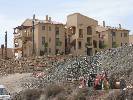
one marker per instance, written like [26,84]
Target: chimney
[49,19]
[103,23]
[120,26]
[46,17]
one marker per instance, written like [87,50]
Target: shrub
[53,90]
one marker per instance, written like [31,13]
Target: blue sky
[14,12]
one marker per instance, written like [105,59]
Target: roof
[103,29]
[51,22]
[37,21]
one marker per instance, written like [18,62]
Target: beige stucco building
[82,36]
[49,38]
[112,37]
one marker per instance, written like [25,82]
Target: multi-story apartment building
[112,37]
[82,37]
[49,38]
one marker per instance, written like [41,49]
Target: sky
[113,12]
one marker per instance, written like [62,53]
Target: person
[82,82]
[112,82]
[98,83]
[122,87]
[105,84]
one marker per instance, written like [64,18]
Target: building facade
[80,36]
[112,37]
[49,38]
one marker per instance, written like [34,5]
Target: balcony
[80,35]
[71,30]
[18,35]
[88,44]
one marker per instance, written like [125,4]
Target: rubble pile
[26,65]
[115,62]
[70,69]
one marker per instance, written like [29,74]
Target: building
[131,39]
[9,53]
[49,38]
[82,37]
[112,37]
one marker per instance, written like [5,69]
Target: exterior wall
[130,39]
[81,42]
[50,38]
[120,39]
[81,22]
[9,53]
[25,39]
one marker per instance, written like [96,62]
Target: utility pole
[33,30]
[6,45]
[2,50]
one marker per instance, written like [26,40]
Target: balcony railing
[81,36]
[88,44]
[71,30]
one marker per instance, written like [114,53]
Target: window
[30,29]
[57,28]
[41,53]
[79,45]
[58,42]
[113,34]
[121,44]
[43,27]
[49,39]
[95,44]
[121,34]
[57,39]
[89,41]
[114,45]
[89,30]
[80,33]
[57,32]
[72,30]
[43,40]
[49,50]
[125,34]
[57,51]
[49,28]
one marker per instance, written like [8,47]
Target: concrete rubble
[117,62]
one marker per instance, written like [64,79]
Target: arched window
[89,30]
